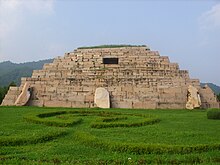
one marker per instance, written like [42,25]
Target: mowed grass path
[25,142]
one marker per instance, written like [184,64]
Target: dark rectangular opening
[110,60]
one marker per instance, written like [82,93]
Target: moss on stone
[110,46]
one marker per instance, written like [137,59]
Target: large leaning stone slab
[24,96]
[102,98]
[193,98]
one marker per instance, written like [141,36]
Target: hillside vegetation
[31,135]
[13,72]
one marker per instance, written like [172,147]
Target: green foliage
[213,114]
[181,137]
[218,97]
[12,84]
[141,148]
[108,122]
[4,90]
[33,139]
[110,119]
[13,72]
[42,119]
[110,46]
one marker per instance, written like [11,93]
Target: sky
[188,31]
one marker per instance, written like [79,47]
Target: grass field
[31,135]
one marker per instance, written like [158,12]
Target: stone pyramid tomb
[122,76]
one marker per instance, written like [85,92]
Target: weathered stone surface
[57,104]
[208,97]
[141,79]
[101,98]
[11,96]
[24,96]
[193,98]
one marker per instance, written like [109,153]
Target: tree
[12,84]
[1,94]
[218,97]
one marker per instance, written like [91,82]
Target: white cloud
[39,6]
[210,20]
[13,13]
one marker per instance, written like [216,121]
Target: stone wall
[141,79]
[11,96]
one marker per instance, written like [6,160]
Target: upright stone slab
[193,98]
[101,98]
[24,96]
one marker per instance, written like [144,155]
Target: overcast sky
[188,31]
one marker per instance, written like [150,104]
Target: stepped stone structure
[133,77]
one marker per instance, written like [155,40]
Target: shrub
[213,114]
[124,124]
[42,119]
[218,97]
[141,148]
[34,139]
[108,119]
[108,122]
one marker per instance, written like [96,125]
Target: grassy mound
[110,46]
[69,118]
[142,148]
[23,139]
[135,121]
[47,119]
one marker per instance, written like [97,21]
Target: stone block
[38,103]
[121,104]
[145,105]
[79,104]
[56,103]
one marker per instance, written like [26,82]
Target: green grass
[110,46]
[172,136]
[213,114]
